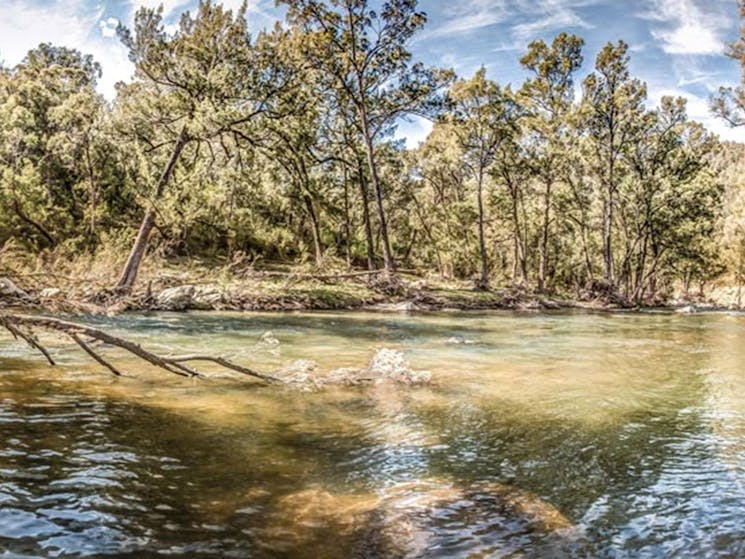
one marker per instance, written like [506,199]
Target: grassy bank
[57,283]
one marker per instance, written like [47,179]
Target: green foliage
[55,156]
[281,147]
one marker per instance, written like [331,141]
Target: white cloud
[173,8]
[70,23]
[108,26]
[90,28]
[536,17]
[467,16]
[170,7]
[550,15]
[25,25]
[684,28]
[414,130]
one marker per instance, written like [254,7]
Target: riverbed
[567,434]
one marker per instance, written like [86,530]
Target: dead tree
[24,327]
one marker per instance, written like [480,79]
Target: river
[548,434]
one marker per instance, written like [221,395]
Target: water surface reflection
[543,435]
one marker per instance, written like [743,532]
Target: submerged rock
[269,339]
[540,514]
[301,373]
[386,365]
[317,507]
[400,520]
[391,364]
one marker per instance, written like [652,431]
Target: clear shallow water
[564,435]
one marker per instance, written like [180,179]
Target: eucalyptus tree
[548,98]
[203,82]
[580,195]
[47,102]
[293,144]
[728,163]
[511,170]
[729,103]
[440,202]
[361,55]
[615,103]
[646,194]
[483,116]
[83,140]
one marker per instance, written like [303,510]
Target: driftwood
[298,276]
[23,327]
[322,277]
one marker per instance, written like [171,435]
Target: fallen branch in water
[23,326]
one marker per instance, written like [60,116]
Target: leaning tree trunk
[132,267]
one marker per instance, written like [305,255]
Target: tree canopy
[282,146]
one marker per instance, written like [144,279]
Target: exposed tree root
[23,327]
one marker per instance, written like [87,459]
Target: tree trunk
[484,279]
[583,226]
[315,228]
[740,262]
[388,262]
[543,263]
[35,224]
[93,192]
[428,232]
[132,267]
[347,219]
[520,261]
[640,274]
[371,265]
[608,227]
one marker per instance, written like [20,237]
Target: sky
[676,46]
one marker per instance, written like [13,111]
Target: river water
[541,435]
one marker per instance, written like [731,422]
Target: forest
[522,336]
[281,147]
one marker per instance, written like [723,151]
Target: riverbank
[274,293]
[205,286]
[304,294]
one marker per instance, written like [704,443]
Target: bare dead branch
[95,355]
[30,340]
[224,362]
[14,323]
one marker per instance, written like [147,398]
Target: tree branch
[175,365]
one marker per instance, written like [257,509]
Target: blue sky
[676,45]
